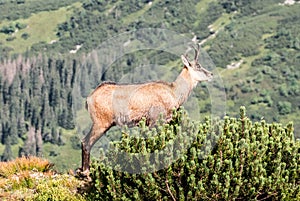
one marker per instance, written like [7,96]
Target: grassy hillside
[40,27]
[265,72]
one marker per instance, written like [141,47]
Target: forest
[47,70]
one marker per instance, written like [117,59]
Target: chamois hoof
[86,180]
[83,175]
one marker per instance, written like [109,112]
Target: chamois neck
[183,86]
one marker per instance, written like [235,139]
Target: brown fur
[126,104]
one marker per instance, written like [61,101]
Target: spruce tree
[7,153]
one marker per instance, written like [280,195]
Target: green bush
[250,161]
[25,36]
[21,25]
[63,187]
[284,107]
[8,29]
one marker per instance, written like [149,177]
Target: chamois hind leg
[87,143]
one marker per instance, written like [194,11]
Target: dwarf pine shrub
[229,159]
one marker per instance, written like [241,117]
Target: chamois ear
[185,61]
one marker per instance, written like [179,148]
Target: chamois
[113,104]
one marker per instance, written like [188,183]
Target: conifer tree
[7,153]
[13,131]
[39,143]
[21,126]
[54,135]
[53,93]
[84,82]
[5,93]
[30,145]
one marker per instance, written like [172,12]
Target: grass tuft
[7,169]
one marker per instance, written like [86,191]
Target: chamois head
[197,72]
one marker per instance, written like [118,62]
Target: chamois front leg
[85,156]
[154,114]
[87,143]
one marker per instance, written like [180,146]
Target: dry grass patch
[33,178]
[22,164]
